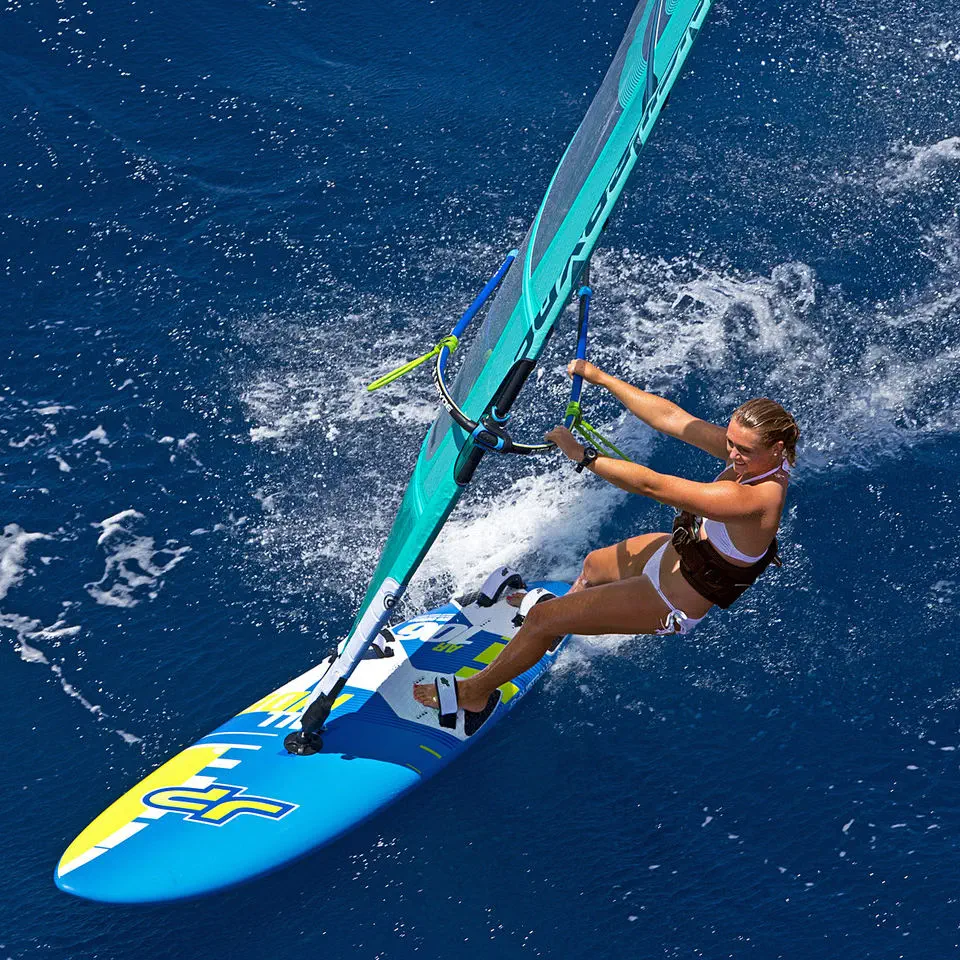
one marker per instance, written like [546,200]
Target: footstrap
[447,699]
[533,597]
[496,583]
[379,643]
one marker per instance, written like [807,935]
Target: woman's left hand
[566,442]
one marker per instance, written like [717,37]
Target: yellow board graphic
[130,806]
[508,690]
[216,804]
[288,701]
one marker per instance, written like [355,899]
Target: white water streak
[133,563]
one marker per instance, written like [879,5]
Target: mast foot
[303,743]
[307,740]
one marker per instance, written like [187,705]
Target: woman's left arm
[721,500]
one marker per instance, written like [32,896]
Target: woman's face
[748,454]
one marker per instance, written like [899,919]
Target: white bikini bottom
[676,621]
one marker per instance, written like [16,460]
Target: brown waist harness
[707,570]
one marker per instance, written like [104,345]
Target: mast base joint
[303,743]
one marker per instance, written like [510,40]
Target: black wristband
[589,455]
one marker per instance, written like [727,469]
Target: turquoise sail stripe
[580,198]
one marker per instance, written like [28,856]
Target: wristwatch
[589,455]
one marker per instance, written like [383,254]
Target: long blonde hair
[772,423]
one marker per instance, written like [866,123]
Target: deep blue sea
[221,219]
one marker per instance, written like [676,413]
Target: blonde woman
[724,537]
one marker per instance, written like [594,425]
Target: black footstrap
[473,720]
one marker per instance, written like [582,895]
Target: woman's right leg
[611,564]
[620,561]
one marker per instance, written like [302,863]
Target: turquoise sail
[536,288]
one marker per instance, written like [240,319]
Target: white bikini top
[717,532]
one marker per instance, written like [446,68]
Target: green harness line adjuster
[591,434]
[451,341]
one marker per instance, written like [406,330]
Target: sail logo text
[651,99]
[217,804]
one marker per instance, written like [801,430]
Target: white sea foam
[24,627]
[32,439]
[13,567]
[98,434]
[184,445]
[945,50]
[27,629]
[13,551]
[116,524]
[267,501]
[865,380]
[135,566]
[52,409]
[914,164]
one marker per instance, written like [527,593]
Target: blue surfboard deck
[236,805]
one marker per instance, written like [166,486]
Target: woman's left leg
[617,562]
[626,606]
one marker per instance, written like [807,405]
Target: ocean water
[221,220]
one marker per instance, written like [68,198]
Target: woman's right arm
[659,413]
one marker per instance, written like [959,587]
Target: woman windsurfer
[658,582]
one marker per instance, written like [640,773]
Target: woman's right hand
[585,369]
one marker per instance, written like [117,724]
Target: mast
[531,292]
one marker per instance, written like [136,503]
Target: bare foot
[426,693]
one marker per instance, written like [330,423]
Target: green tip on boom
[450,342]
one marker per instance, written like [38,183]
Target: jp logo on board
[216,804]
